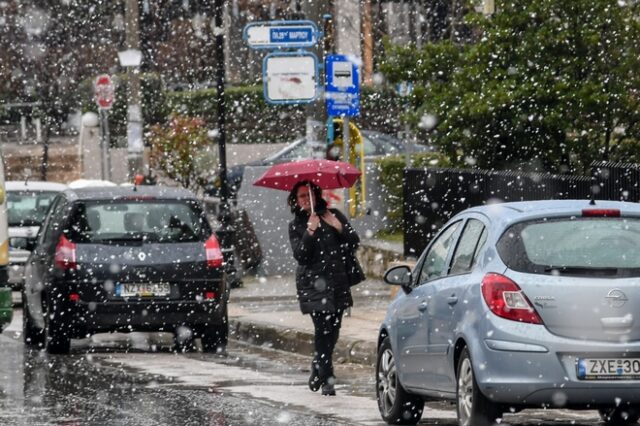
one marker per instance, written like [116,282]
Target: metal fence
[432,196]
[616,181]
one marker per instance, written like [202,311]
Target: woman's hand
[314,222]
[332,220]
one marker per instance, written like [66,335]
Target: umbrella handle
[311,200]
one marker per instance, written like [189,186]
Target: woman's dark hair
[292,199]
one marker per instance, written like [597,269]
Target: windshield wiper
[582,270]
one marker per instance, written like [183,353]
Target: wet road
[136,380]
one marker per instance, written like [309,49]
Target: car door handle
[423,306]
[452,300]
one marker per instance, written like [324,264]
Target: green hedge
[249,118]
[391,174]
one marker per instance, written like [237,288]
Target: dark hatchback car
[125,259]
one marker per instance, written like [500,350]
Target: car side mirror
[398,275]
[22,243]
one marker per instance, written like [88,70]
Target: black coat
[321,278]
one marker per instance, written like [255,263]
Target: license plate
[608,368]
[142,289]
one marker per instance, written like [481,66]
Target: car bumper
[90,317]
[541,369]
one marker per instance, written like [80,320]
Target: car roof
[34,185]
[116,192]
[505,214]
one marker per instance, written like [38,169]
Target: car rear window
[28,208]
[114,222]
[574,246]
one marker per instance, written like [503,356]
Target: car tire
[619,416]
[30,333]
[396,405]
[183,342]
[473,408]
[214,338]
[56,340]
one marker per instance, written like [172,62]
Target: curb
[301,342]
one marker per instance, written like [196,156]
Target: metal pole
[107,138]
[226,231]
[221,102]
[102,145]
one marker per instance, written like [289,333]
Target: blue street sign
[342,86]
[281,34]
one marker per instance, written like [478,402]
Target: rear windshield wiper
[582,270]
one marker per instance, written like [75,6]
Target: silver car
[27,205]
[518,305]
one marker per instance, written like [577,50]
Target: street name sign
[290,77]
[104,91]
[281,34]
[342,89]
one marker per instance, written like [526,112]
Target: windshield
[28,208]
[114,222]
[606,246]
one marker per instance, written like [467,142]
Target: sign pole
[107,144]
[103,156]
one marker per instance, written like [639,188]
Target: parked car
[27,206]
[125,259]
[376,144]
[518,305]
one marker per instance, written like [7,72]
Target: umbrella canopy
[326,174]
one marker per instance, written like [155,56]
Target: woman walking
[320,239]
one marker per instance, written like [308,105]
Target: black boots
[328,389]
[315,382]
[314,379]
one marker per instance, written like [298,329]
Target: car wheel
[184,340]
[473,408]
[30,333]
[396,405]
[56,341]
[618,416]
[215,337]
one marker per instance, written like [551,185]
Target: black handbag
[354,270]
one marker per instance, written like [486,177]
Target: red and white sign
[104,91]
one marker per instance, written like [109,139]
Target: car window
[28,208]
[607,246]
[381,144]
[298,152]
[162,221]
[55,220]
[436,258]
[468,246]
[370,147]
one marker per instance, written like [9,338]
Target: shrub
[391,177]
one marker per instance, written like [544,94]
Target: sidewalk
[265,312]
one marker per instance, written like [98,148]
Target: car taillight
[600,213]
[506,299]
[65,257]
[213,252]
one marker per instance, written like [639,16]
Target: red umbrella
[326,174]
